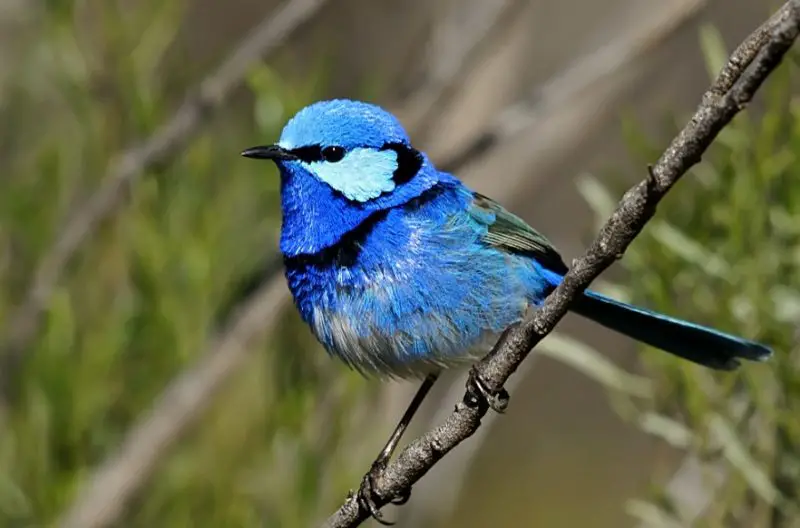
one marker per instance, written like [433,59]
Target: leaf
[738,455]
[714,50]
[597,196]
[594,365]
[13,501]
[689,250]
[673,432]
[650,515]
[787,303]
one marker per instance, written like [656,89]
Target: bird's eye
[332,154]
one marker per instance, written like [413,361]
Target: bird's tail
[702,345]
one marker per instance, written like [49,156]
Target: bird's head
[340,162]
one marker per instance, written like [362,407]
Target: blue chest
[413,288]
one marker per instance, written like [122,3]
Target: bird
[400,270]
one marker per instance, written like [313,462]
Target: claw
[479,393]
[401,499]
[366,500]
[366,493]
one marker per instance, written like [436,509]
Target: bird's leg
[477,391]
[366,492]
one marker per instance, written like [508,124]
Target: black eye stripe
[312,153]
[409,160]
[308,154]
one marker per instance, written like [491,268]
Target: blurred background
[147,380]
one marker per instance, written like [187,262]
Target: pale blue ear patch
[363,173]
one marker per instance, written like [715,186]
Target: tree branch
[746,70]
[168,141]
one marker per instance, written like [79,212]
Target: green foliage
[724,250]
[139,303]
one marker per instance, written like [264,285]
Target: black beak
[273,152]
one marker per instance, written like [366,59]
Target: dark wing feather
[510,233]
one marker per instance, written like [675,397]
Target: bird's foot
[478,392]
[366,493]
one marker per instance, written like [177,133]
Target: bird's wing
[511,234]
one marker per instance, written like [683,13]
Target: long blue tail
[702,345]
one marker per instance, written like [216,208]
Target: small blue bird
[400,270]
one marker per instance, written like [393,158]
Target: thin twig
[168,141]
[720,104]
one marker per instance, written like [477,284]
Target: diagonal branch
[167,142]
[747,68]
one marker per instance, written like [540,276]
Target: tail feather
[702,345]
